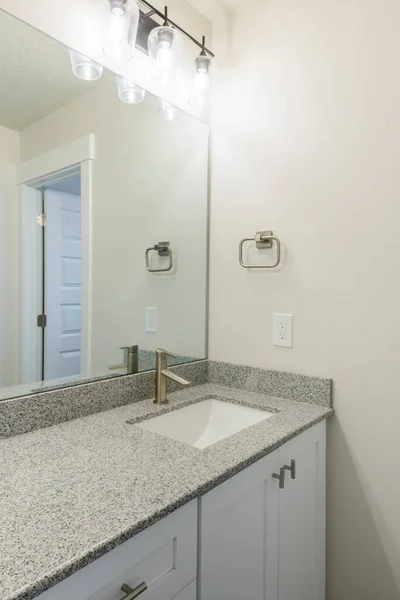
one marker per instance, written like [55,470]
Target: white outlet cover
[283,330]
[151,319]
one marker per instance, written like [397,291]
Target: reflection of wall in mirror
[149,185]
[8,257]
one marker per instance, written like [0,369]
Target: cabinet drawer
[164,557]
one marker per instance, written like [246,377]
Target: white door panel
[70,343]
[71,319]
[71,271]
[70,249]
[71,295]
[63,267]
[71,225]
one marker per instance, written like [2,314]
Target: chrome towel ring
[264,240]
[162,249]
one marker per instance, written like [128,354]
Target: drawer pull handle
[131,594]
[281,478]
[292,468]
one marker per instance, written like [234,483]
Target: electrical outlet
[283,330]
[151,319]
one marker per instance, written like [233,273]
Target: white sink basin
[205,423]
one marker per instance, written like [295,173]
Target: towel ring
[264,240]
[162,249]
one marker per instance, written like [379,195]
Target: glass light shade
[165,48]
[85,68]
[167,110]
[202,82]
[129,92]
[123,27]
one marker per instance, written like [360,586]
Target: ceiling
[35,75]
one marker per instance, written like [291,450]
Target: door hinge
[42,321]
[41,219]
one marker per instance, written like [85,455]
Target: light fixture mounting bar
[155,11]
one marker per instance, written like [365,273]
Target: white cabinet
[239,535]
[189,593]
[164,557]
[260,541]
[262,537]
[302,515]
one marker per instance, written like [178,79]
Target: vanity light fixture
[129,92]
[85,68]
[165,48]
[123,27]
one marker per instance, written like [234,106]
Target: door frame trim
[30,174]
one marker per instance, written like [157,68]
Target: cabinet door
[302,517]
[239,536]
[189,593]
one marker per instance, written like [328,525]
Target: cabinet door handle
[131,594]
[281,478]
[291,468]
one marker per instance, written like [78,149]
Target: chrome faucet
[132,364]
[162,374]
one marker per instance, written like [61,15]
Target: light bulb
[118,7]
[202,81]
[165,48]
[118,47]
[122,30]
[85,68]
[165,57]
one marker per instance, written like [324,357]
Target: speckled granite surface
[28,413]
[72,492]
[294,386]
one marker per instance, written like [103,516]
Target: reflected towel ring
[162,249]
[264,240]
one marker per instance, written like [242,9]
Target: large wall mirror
[103,221]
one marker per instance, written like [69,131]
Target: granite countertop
[72,492]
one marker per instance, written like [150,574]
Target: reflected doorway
[59,276]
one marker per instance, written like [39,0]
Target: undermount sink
[205,423]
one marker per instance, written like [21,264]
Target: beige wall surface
[8,256]
[306,141]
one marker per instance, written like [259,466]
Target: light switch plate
[283,330]
[151,319]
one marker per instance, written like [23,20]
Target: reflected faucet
[163,373]
[132,364]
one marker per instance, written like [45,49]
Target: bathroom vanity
[254,536]
[110,510]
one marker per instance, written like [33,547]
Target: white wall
[8,256]
[306,141]
[83,25]
[149,185]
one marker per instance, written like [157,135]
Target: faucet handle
[160,351]
[130,348]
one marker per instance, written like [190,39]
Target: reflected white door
[63,285]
